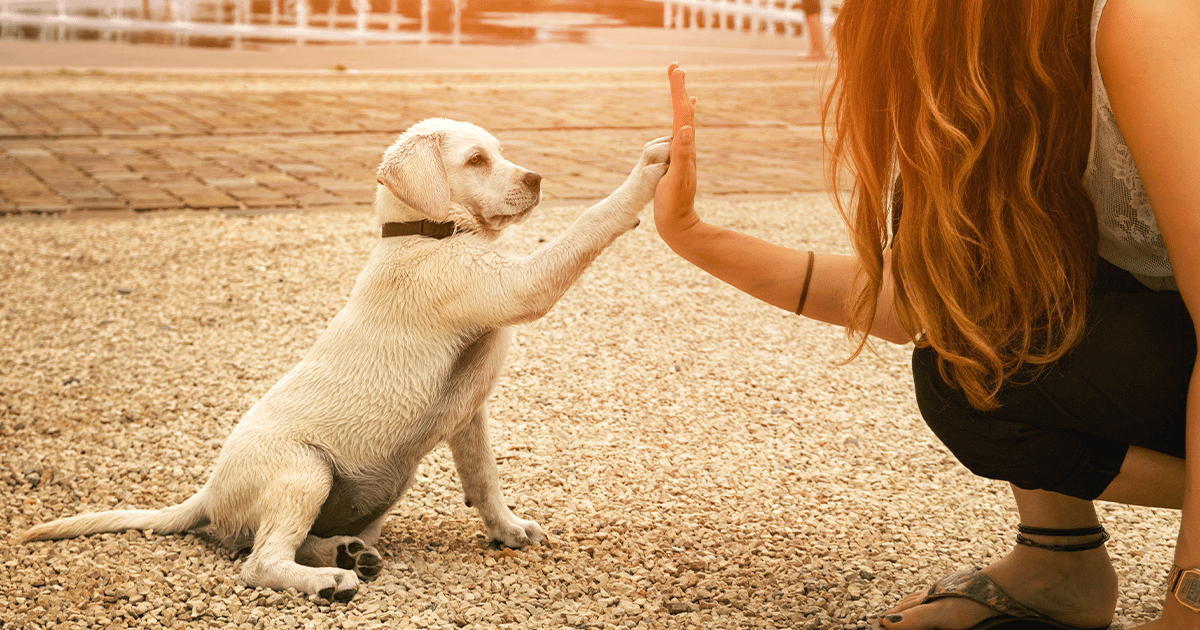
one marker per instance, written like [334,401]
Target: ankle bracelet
[1041,531]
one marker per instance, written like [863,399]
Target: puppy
[307,477]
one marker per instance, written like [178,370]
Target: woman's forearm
[775,275]
[1187,547]
[1187,550]
[771,273]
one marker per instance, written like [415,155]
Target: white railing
[282,20]
[295,21]
[755,16]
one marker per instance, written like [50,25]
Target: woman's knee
[1000,445]
[948,414]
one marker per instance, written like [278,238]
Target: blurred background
[771,25]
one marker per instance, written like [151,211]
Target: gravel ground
[698,459]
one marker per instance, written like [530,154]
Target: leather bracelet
[807,280]
[1062,533]
[1088,546]
[1046,531]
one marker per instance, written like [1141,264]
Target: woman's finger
[683,153]
[682,104]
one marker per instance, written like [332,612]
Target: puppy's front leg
[619,210]
[524,289]
[476,464]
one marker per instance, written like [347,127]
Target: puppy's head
[443,170]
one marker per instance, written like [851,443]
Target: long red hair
[980,110]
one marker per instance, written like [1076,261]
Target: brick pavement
[138,141]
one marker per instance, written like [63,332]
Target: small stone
[676,607]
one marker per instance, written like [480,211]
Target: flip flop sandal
[977,587]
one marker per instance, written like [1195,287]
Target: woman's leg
[1078,588]
[1147,478]
[816,30]
[1106,422]
[816,36]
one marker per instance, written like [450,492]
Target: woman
[816,30]
[1006,182]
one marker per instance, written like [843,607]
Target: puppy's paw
[344,552]
[353,555]
[650,168]
[517,533]
[657,151]
[334,585]
[654,172]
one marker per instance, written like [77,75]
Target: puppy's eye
[477,160]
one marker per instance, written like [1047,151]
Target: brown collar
[423,227]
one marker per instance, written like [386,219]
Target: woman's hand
[674,199]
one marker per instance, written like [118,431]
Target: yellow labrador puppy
[309,474]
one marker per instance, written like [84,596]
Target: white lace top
[1129,234]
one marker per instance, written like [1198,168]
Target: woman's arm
[768,272]
[1148,54]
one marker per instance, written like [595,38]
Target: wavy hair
[980,112]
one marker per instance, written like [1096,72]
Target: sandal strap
[1085,531]
[974,585]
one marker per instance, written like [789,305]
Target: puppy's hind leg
[476,464]
[294,498]
[353,553]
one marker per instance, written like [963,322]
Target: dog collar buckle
[423,227]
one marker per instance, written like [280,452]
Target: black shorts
[1124,385]
[810,6]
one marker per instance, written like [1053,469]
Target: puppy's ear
[413,171]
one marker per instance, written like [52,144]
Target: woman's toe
[943,614]
[908,601]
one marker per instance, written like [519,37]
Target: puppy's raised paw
[651,166]
[657,151]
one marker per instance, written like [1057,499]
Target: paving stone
[320,199]
[161,140]
[155,203]
[43,208]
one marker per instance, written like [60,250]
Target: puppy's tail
[177,518]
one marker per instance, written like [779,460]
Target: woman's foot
[1077,588]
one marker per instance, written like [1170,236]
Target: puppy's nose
[532,180]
